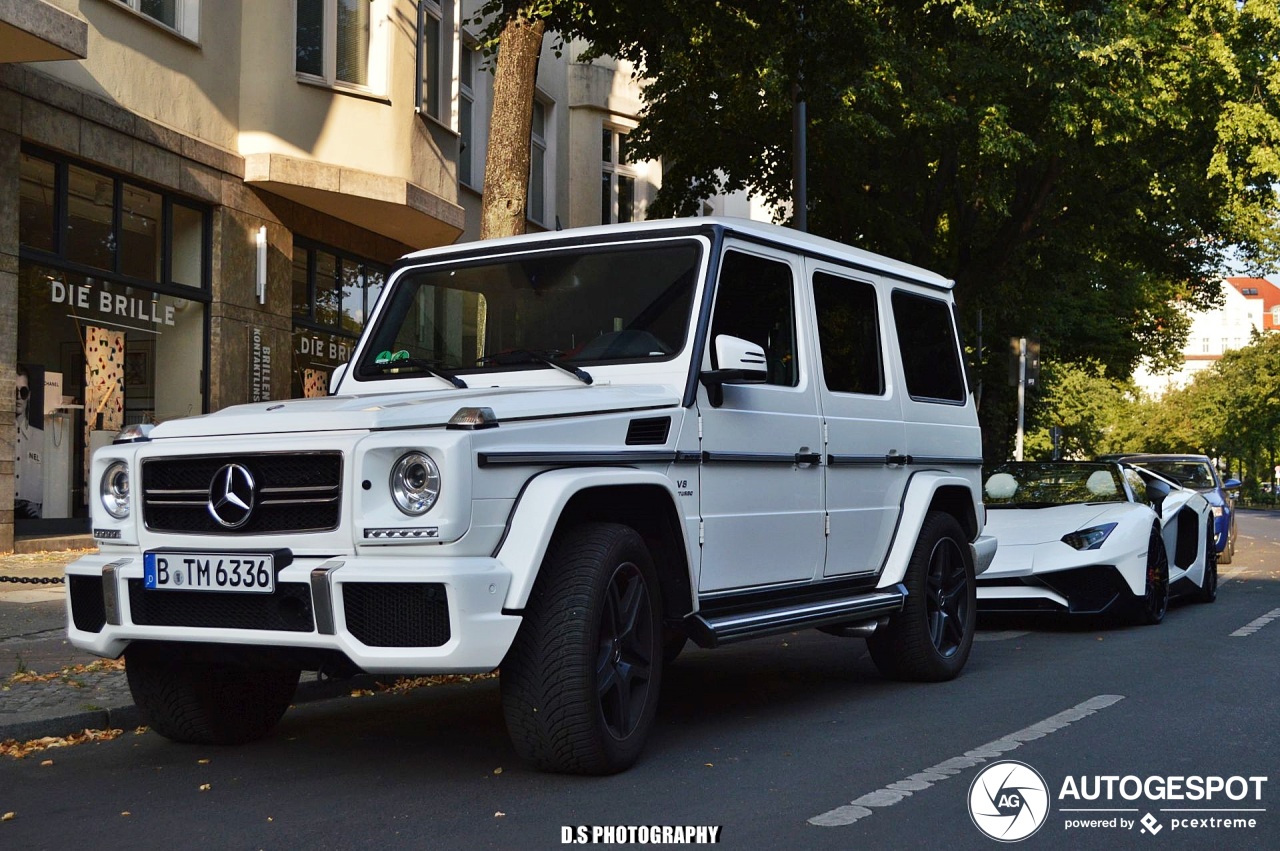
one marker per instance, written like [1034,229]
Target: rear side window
[930,352]
[849,335]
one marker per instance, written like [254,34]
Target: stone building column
[10,150]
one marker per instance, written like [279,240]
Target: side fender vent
[652,431]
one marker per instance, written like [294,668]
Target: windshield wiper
[516,356]
[427,366]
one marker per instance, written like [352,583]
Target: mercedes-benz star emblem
[231,496]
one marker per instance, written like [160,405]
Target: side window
[755,301]
[930,352]
[849,335]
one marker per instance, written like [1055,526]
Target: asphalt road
[772,741]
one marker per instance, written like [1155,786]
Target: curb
[128,717]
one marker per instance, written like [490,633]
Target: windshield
[585,305]
[1044,485]
[1189,474]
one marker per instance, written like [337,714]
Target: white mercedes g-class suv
[562,455]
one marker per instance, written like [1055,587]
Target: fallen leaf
[47,762]
[498,814]
[498,770]
[709,764]
[202,762]
[205,787]
[126,813]
[8,817]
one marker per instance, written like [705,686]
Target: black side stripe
[572,459]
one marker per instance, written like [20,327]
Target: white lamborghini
[1090,536]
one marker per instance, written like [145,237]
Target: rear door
[865,453]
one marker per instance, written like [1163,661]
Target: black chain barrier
[34,580]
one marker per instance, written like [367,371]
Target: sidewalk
[50,688]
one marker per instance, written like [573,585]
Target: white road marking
[895,792]
[1253,626]
[999,635]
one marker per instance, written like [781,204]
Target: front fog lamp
[1088,539]
[415,483]
[115,490]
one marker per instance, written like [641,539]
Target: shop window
[333,296]
[336,42]
[91,239]
[141,242]
[139,234]
[37,193]
[97,355]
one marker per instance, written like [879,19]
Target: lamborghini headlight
[1088,539]
[415,483]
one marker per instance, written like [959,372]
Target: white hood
[411,409]
[1026,526]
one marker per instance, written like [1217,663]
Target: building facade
[1248,305]
[209,196]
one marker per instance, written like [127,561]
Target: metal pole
[799,159]
[1022,394]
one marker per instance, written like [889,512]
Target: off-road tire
[930,639]
[580,682]
[1151,606]
[1208,590]
[192,700]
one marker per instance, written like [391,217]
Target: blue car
[1198,472]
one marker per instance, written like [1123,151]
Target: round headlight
[415,483]
[115,490]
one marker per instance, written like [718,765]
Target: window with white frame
[435,58]
[336,43]
[466,110]
[536,204]
[181,16]
[617,178]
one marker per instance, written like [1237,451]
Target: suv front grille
[294,492]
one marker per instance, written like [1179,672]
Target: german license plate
[252,572]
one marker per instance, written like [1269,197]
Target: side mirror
[335,378]
[1232,485]
[741,362]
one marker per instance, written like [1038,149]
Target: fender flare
[915,505]
[537,513]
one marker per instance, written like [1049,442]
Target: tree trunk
[506,168]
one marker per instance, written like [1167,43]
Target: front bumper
[386,614]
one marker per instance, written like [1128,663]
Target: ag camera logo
[1008,801]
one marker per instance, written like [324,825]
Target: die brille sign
[136,309]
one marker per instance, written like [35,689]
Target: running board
[716,629]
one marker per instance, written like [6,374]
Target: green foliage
[1077,166]
[1083,401]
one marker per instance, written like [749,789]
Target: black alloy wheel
[624,661]
[947,597]
[1154,602]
